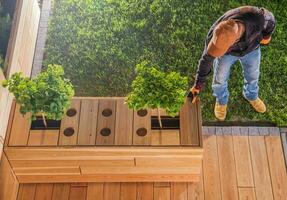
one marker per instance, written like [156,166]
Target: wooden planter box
[101,140]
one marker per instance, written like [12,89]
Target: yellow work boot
[258,105]
[220,111]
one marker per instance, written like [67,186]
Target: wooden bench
[101,140]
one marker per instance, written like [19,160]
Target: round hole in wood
[105,132]
[71,112]
[69,132]
[142,112]
[107,112]
[142,132]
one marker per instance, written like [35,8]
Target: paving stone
[253,131]
[263,131]
[284,142]
[218,130]
[283,129]
[205,130]
[46,5]
[235,130]
[211,130]
[226,130]
[43,24]
[274,131]
[244,130]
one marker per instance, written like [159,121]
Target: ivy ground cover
[99,43]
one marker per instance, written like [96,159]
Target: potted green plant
[48,94]
[155,89]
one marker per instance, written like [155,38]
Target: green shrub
[100,42]
[155,89]
[48,93]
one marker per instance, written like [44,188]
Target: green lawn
[100,42]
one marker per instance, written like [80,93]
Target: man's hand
[194,91]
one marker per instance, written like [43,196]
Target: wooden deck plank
[95,191]
[128,191]
[124,124]
[112,191]
[227,168]
[196,190]
[165,137]
[211,176]
[142,122]
[162,193]
[44,192]
[72,122]
[260,167]
[61,191]
[189,124]
[243,161]
[88,122]
[179,191]
[8,182]
[78,193]
[26,192]
[106,122]
[246,194]
[43,138]
[20,129]
[144,191]
[277,167]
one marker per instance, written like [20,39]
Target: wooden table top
[107,121]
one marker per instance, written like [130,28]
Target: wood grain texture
[20,130]
[179,191]
[88,122]
[165,137]
[128,191]
[243,161]
[196,190]
[44,192]
[246,194]
[106,122]
[124,124]
[95,191]
[72,122]
[26,192]
[142,122]
[61,191]
[189,124]
[162,193]
[227,168]
[78,193]
[112,191]
[43,138]
[8,182]
[261,173]
[144,191]
[199,122]
[212,184]
[277,167]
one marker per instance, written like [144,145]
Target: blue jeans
[221,72]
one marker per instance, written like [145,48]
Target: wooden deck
[234,167]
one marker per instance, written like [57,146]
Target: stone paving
[41,38]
